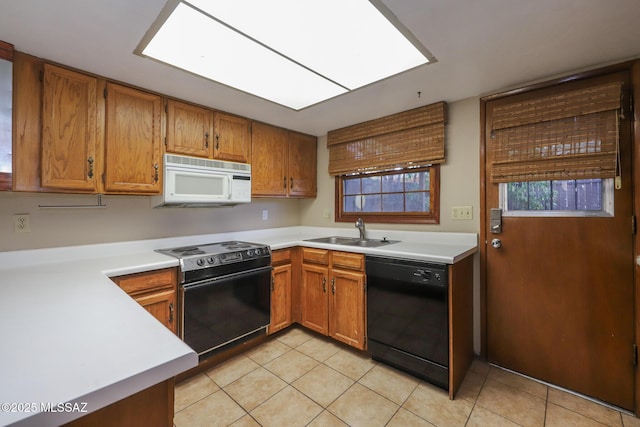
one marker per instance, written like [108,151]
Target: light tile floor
[302,379]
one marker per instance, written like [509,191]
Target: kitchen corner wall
[127,218]
[459,186]
[459,177]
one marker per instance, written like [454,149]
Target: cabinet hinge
[41,75]
[166,107]
[165,141]
[635,355]
[634,225]
[104,92]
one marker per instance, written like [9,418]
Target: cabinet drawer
[347,260]
[281,256]
[318,256]
[143,282]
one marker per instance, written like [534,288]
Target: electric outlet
[462,212]
[326,213]
[265,214]
[21,223]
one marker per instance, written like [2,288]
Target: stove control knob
[249,252]
[211,260]
[200,262]
[258,251]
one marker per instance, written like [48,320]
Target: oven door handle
[214,280]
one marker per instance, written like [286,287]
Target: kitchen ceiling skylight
[291,52]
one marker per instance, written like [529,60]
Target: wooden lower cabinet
[150,407]
[281,290]
[155,291]
[333,295]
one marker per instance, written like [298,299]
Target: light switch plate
[462,212]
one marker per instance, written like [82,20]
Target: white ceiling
[481,47]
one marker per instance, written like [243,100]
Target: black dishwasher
[407,316]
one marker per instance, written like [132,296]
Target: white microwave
[197,182]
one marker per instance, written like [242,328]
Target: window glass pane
[417,202]
[352,186]
[588,194]
[393,202]
[349,204]
[371,203]
[371,184]
[392,183]
[562,197]
[385,196]
[417,181]
[539,195]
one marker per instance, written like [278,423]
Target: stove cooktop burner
[214,255]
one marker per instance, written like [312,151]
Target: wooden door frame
[633,68]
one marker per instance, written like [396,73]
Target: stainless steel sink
[353,241]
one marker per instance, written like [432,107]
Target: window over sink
[403,195]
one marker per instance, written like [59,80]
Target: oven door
[227,310]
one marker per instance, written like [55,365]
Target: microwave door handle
[229,182]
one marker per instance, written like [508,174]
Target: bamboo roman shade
[567,135]
[411,138]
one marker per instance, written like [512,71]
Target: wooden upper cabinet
[269,167]
[132,141]
[302,165]
[232,139]
[284,162]
[189,129]
[71,154]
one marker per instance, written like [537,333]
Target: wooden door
[302,165]
[269,168]
[280,298]
[346,307]
[315,305]
[189,129]
[132,141]
[161,305]
[559,291]
[232,138]
[70,156]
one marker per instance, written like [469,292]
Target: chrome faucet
[360,226]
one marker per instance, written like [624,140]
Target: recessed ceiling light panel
[294,53]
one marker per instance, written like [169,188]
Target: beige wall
[459,177]
[127,218]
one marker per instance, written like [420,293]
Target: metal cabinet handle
[90,161]
[206,140]
[324,284]
[273,283]
[333,286]
[170,312]
[291,182]
[217,141]
[156,175]
[284,182]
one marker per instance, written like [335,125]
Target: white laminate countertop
[71,335]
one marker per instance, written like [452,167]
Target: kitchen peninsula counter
[73,336]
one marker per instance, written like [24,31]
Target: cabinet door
[132,141]
[269,167]
[70,157]
[189,129]
[161,305]
[315,306]
[346,308]
[280,298]
[232,138]
[302,165]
